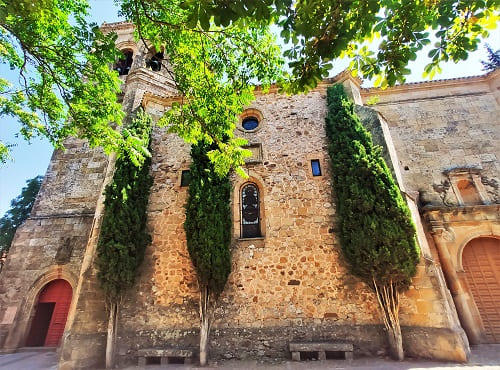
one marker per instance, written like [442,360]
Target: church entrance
[51,312]
[481,262]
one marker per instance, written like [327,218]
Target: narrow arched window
[250,211]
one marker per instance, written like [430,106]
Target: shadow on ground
[483,357]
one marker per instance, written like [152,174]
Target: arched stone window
[124,64]
[250,211]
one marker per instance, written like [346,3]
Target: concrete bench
[166,355]
[321,348]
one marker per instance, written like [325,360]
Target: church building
[289,282]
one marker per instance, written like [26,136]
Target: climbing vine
[377,235]
[123,238]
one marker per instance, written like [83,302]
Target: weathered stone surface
[254,343]
[72,181]
[448,125]
[291,283]
[435,343]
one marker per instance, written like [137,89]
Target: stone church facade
[288,280]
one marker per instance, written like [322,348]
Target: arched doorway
[51,312]
[481,262]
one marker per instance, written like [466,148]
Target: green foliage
[320,31]
[213,68]
[124,237]
[493,59]
[64,86]
[208,221]
[217,49]
[20,209]
[376,232]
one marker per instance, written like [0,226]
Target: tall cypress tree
[377,234]
[123,238]
[208,231]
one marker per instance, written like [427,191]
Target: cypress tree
[123,237]
[377,235]
[493,61]
[208,231]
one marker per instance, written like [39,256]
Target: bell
[155,65]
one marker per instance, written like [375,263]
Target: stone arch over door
[18,333]
[50,314]
[452,229]
[481,265]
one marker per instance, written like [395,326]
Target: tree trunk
[111,339]
[396,342]
[204,323]
[388,301]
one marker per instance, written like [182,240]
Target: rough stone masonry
[290,283]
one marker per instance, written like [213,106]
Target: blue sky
[32,159]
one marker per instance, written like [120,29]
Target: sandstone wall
[289,284]
[441,126]
[85,338]
[51,243]
[71,180]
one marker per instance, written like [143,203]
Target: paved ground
[29,360]
[484,357]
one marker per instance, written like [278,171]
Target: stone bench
[166,355]
[321,348]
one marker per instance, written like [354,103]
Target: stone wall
[52,242]
[70,184]
[290,281]
[289,284]
[440,126]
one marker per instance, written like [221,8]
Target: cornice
[108,27]
[463,210]
[146,77]
[428,85]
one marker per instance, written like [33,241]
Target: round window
[250,123]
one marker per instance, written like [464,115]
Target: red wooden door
[59,293]
[481,261]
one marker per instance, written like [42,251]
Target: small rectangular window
[316,168]
[185,178]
